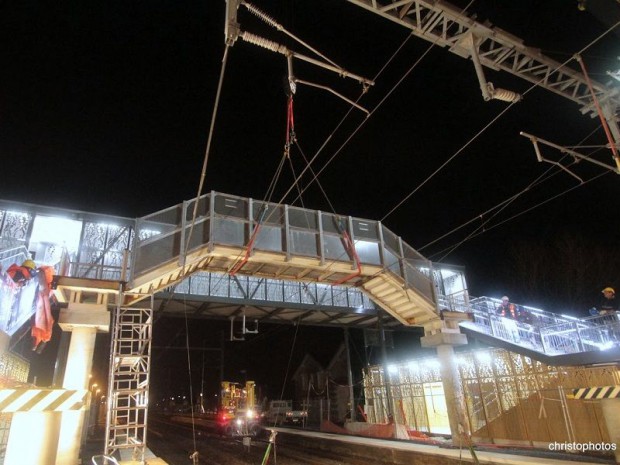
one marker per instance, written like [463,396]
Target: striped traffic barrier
[604,392]
[41,400]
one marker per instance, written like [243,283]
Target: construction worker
[608,303]
[508,326]
[42,321]
[22,273]
[507,309]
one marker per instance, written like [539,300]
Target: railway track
[175,442]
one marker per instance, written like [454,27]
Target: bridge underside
[232,298]
[214,308]
[385,289]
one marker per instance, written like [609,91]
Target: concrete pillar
[80,358]
[611,413]
[444,341]
[33,438]
[79,365]
[83,321]
[453,391]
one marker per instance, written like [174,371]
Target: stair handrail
[16,254]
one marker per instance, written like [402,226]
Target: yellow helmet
[609,289]
[29,264]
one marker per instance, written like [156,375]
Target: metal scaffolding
[128,384]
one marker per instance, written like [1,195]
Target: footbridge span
[242,236]
[228,257]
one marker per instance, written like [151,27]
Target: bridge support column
[5,339]
[84,321]
[611,414]
[444,341]
[33,438]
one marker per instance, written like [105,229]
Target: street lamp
[94,407]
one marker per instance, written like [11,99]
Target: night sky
[106,107]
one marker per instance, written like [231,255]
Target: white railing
[14,254]
[546,332]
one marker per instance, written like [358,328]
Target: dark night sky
[106,106]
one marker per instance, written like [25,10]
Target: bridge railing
[223,219]
[546,332]
[11,252]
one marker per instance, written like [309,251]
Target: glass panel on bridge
[304,243]
[229,232]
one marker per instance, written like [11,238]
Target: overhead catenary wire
[315,176]
[360,125]
[540,204]
[330,159]
[478,134]
[495,119]
[235,266]
[308,167]
[452,157]
[540,179]
[433,174]
[482,226]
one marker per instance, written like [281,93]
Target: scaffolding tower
[128,384]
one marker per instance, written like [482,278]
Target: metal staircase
[549,337]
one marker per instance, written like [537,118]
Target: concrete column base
[33,438]
[611,414]
[444,342]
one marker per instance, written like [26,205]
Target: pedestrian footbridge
[220,256]
[227,257]
[239,236]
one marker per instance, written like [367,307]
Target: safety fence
[546,332]
[508,398]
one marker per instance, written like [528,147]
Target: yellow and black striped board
[605,392]
[41,400]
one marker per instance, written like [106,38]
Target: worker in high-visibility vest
[608,304]
[507,309]
[22,273]
[510,314]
